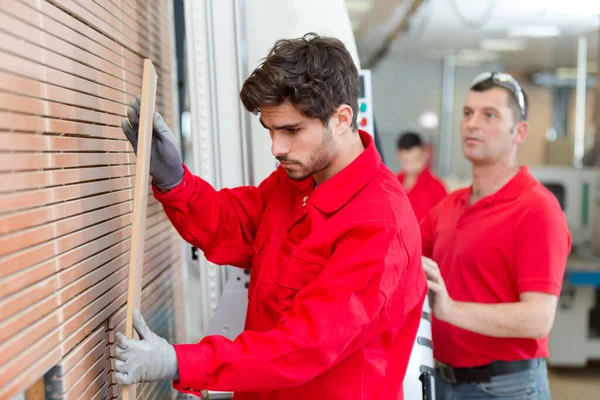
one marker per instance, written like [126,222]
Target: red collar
[519,183]
[339,189]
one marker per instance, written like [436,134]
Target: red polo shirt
[513,241]
[336,290]
[425,194]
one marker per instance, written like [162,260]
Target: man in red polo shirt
[423,188]
[337,285]
[498,252]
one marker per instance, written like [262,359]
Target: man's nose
[280,145]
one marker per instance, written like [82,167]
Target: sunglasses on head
[507,82]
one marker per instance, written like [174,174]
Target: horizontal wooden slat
[81,350]
[35,198]
[155,265]
[64,70]
[30,373]
[15,262]
[125,19]
[49,109]
[31,294]
[116,255]
[12,283]
[112,100]
[131,16]
[74,33]
[32,85]
[85,362]
[92,379]
[66,50]
[45,179]
[23,142]
[50,10]
[97,240]
[31,237]
[29,123]
[89,18]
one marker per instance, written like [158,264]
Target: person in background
[497,253]
[423,188]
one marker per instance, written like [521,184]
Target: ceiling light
[503,44]
[562,7]
[359,6]
[476,55]
[534,31]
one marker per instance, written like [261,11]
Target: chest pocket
[293,276]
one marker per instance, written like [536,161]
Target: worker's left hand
[441,302]
[151,358]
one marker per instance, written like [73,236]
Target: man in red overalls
[337,285]
[423,188]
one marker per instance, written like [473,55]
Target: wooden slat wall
[68,69]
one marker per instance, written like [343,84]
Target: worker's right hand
[165,161]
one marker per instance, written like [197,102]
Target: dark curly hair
[316,74]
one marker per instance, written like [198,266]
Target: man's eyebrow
[282,127]
[485,108]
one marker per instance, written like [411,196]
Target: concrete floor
[575,384]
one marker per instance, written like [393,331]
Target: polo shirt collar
[517,185]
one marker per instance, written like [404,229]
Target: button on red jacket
[336,288]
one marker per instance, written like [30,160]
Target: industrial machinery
[575,336]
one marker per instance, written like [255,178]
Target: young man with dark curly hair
[337,286]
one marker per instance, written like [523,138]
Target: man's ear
[521,132]
[344,116]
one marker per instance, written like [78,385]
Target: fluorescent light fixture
[359,6]
[538,31]
[503,44]
[476,55]
[564,7]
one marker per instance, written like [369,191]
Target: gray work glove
[165,161]
[149,359]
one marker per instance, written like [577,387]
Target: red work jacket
[336,287]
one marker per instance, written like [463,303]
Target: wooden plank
[21,320]
[72,358]
[29,123]
[35,198]
[65,19]
[49,109]
[140,198]
[33,161]
[73,248]
[73,33]
[45,179]
[27,142]
[33,236]
[40,37]
[89,18]
[31,81]
[90,381]
[66,70]
[30,373]
[33,70]
[10,223]
[22,299]
[85,362]
[36,391]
